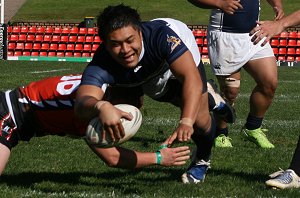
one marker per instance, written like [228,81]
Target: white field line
[48,71]
[172,122]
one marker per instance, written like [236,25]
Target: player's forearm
[206,4]
[85,107]
[291,20]
[275,3]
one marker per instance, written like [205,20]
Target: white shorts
[229,52]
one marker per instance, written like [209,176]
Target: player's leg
[230,87]
[4,156]
[264,72]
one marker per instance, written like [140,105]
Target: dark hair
[116,17]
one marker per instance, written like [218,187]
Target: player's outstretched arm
[119,157]
[228,6]
[270,28]
[4,156]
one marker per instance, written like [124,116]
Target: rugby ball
[94,132]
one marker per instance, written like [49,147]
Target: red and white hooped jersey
[48,105]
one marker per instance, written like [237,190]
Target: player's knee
[230,89]
[270,88]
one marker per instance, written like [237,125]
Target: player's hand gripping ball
[94,132]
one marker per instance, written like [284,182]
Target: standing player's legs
[229,87]
[264,72]
[4,156]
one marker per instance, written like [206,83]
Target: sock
[295,164]
[211,102]
[220,131]
[253,122]
[205,142]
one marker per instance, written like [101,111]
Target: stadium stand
[71,40]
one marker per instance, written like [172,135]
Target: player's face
[125,46]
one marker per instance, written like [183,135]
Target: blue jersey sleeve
[95,75]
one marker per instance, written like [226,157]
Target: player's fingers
[110,132]
[172,138]
[127,116]
[121,130]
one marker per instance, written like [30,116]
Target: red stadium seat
[9,29]
[275,50]
[290,58]
[204,50]
[97,39]
[62,47]
[24,29]
[70,47]
[82,31]
[69,54]
[92,54]
[28,46]
[32,30]
[22,38]
[199,33]
[81,39]
[87,47]
[55,39]
[64,39]
[57,30]
[16,29]
[60,54]
[86,54]
[297,58]
[14,37]
[281,58]
[45,46]
[43,53]
[292,42]
[30,38]
[18,53]
[205,41]
[204,56]
[36,46]
[34,53]
[53,46]
[199,41]
[11,46]
[274,42]
[40,30]
[19,46]
[51,54]
[282,42]
[89,39]
[91,31]
[291,51]
[284,35]
[65,31]
[95,47]
[26,53]
[48,30]
[39,38]
[292,35]
[72,39]
[78,47]
[74,31]
[10,53]
[47,38]
[297,51]
[282,51]
[77,54]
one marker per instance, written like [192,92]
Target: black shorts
[174,88]
[8,128]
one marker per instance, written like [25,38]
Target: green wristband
[158,157]
[162,147]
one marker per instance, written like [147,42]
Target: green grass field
[64,167]
[54,166]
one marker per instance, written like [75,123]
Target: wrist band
[186,121]
[162,147]
[158,157]
[99,104]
